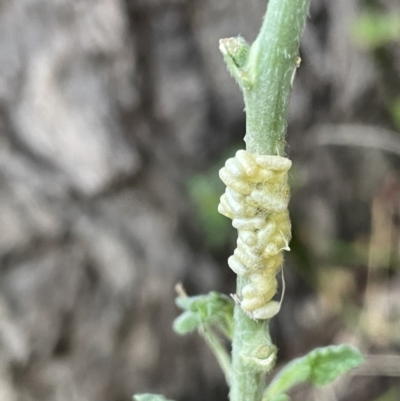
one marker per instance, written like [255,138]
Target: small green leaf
[235,50]
[186,303]
[330,362]
[321,366]
[186,323]
[210,309]
[150,397]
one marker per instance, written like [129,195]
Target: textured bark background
[108,108]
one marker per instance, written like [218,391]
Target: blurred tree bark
[107,108]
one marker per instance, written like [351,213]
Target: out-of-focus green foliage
[374,29]
[395,111]
[205,191]
[392,394]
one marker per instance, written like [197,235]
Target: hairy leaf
[319,367]
[210,309]
[186,323]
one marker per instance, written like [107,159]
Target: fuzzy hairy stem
[271,64]
[264,72]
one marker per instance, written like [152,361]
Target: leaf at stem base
[321,366]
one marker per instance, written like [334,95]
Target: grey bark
[107,108]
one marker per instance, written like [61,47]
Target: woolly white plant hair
[256,199]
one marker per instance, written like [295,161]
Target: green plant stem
[272,63]
[265,79]
[251,340]
[219,352]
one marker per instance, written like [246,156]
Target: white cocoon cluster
[256,199]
